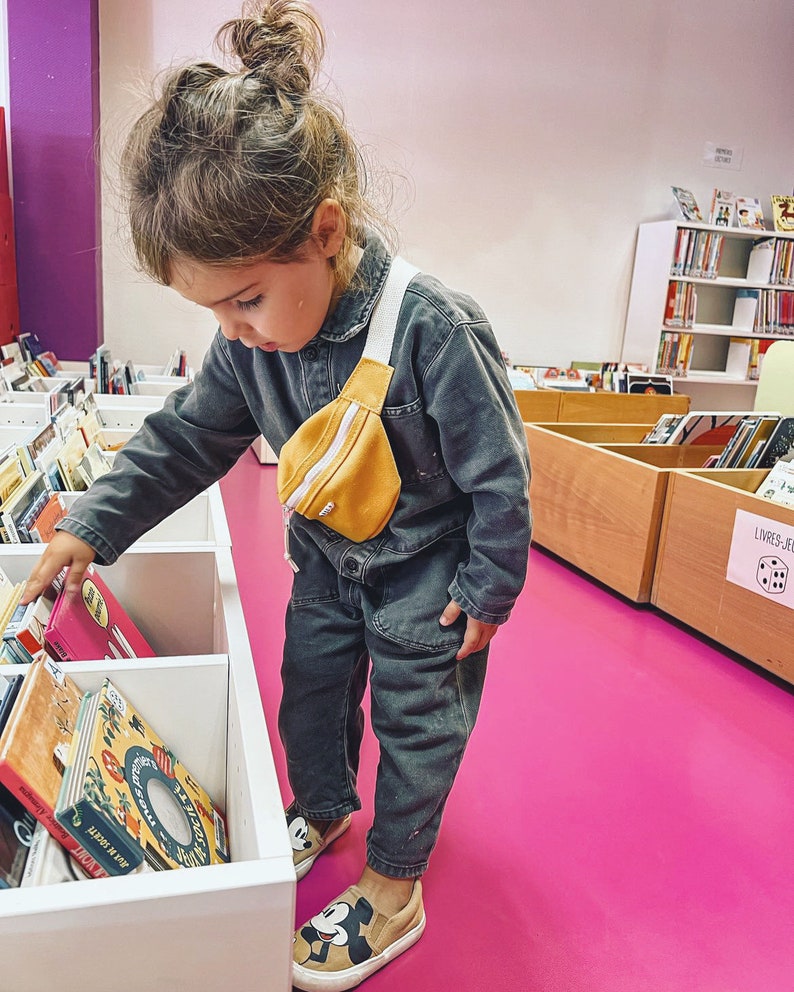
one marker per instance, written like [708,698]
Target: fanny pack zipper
[333,449]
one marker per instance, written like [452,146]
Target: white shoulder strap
[387,309]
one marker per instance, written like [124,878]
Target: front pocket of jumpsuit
[416,593]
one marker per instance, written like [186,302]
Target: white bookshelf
[201,928]
[713,322]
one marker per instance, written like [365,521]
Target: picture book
[749,212]
[706,428]
[643,383]
[93,625]
[42,526]
[780,444]
[783,212]
[663,428]
[778,486]
[723,208]
[48,862]
[744,440]
[127,797]
[687,204]
[18,505]
[34,745]
[16,833]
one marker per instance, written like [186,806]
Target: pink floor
[624,818]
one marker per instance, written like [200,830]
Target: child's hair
[230,166]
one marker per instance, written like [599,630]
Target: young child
[245,196]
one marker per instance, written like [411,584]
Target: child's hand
[477,635]
[64,549]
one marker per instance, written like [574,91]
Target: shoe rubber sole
[308,980]
[303,867]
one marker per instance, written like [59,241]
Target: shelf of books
[189,721]
[726,563]
[696,290]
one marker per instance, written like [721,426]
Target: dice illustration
[772,574]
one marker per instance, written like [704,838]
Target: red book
[34,748]
[92,625]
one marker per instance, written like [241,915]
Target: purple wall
[54,76]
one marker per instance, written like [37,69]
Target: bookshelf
[708,292]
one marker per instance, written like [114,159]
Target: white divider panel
[200,928]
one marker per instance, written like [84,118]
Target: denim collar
[355,306]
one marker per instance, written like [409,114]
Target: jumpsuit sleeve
[180,450]
[484,448]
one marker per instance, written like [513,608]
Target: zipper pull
[286,513]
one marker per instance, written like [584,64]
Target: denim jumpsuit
[460,530]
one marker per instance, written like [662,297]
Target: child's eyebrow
[232,296]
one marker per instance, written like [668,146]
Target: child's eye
[248,304]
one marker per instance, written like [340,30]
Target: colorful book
[780,444]
[778,486]
[42,527]
[34,746]
[706,428]
[783,212]
[749,212]
[127,798]
[687,204]
[92,625]
[723,208]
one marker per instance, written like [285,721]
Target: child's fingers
[64,550]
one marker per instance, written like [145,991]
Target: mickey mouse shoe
[350,939]
[309,843]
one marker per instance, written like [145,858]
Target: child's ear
[329,226]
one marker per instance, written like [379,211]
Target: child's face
[268,305]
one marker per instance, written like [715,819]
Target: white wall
[536,139]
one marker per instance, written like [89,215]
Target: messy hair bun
[230,165]
[283,40]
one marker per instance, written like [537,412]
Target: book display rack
[184,927]
[703,285]
[649,522]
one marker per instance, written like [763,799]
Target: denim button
[351,565]
[311,353]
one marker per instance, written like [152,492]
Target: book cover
[128,793]
[34,745]
[778,486]
[93,625]
[42,526]
[749,212]
[780,444]
[644,383]
[687,204]
[48,862]
[723,208]
[16,834]
[706,428]
[783,212]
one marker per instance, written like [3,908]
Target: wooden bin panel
[596,509]
[690,579]
[614,408]
[602,433]
[538,405]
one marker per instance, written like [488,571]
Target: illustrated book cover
[723,208]
[34,745]
[783,213]
[780,444]
[749,212]
[93,625]
[706,428]
[687,204]
[778,486]
[127,797]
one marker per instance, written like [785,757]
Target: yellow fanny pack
[338,467]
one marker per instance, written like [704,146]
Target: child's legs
[324,674]
[423,707]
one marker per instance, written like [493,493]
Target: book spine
[111,848]
[43,812]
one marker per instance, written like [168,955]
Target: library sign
[762,557]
